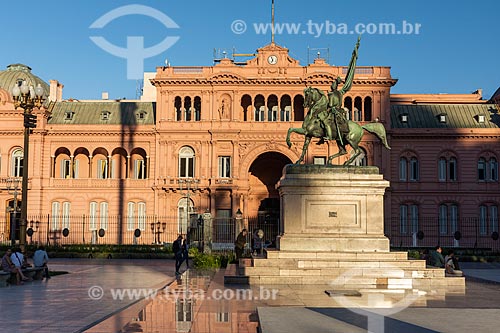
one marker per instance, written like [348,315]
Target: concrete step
[309,255]
[334,263]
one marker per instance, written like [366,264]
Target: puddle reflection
[197,302]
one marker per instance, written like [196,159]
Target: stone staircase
[342,270]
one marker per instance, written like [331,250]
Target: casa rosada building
[212,140]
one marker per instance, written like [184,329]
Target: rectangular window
[481,169]
[65,168]
[55,216]
[402,169]
[483,215]
[453,218]
[18,166]
[222,317]
[76,166]
[260,114]
[93,216]
[403,219]
[103,211]
[65,214]
[224,167]
[272,115]
[102,169]
[442,170]
[414,218]
[493,169]
[141,215]
[453,169]
[413,169]
[186,167]
[285,114]
[443,219]
[130,216]
[494,218]
[139,169]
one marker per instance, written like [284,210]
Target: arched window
[447,169]
[197,108]
[187,108]
[285,108]
[493,169]
[358,106]
[17,163]
[414,169]
[260,107]
[298,108]
[403,169]
[178,108]
[272,108]
[186,162]
[367,109]
[246,103]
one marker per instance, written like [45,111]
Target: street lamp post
[190,184]
[13,188]
[26,97]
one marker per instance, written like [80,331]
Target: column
[90,166]
[72,166]
[127,167]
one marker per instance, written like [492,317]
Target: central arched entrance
[264,174]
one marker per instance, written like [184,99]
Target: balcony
[99,183]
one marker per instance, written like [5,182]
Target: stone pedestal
[332,208]
[332,233]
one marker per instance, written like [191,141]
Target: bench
[35,273]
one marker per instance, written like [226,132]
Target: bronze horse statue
[316,101]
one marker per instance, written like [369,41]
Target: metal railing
[470,233]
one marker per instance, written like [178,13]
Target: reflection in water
[196,303]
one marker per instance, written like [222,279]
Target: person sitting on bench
[9,266]
[40,260]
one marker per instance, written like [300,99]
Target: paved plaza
[83,301]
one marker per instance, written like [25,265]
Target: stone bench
[35,273]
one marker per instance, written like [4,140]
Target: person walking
[177,249]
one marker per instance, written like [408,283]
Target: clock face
[272,59]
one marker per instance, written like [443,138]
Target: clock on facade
[272,59]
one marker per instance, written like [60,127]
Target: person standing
[40,260]
[239,244]
[177,249]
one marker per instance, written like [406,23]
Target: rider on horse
[339,114]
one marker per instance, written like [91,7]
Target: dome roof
[16,72]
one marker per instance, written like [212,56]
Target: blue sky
[455,51]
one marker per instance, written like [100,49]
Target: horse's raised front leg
[307,140]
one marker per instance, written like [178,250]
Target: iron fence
[470,233]
[112,230]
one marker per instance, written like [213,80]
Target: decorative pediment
[225,77]
[320,77]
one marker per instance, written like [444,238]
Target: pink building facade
[212,140]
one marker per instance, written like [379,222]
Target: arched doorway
[264,174]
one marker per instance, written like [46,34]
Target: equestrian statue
[327,118]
